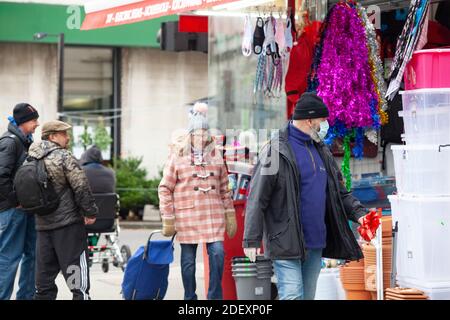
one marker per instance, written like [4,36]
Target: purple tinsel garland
[344,75]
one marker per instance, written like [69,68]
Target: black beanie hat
[310,106]
[24,112]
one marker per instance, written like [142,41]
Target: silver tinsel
[373,54]
[372,136]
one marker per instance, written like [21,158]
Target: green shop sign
[20,21]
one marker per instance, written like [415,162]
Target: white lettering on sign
[123,16]
[110,18]
[214,1]
[137,13]
[156,9]
[183,4]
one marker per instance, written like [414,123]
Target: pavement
[107,286]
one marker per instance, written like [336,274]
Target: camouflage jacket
[70,182]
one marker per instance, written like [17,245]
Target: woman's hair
[181,144]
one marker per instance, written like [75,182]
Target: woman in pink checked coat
[196,203]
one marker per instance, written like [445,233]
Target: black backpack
[34,190]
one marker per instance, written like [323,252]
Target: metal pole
[61,72]
[116,96]
[379,250]
[394,256]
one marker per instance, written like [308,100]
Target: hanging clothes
[300,64]
[407,43]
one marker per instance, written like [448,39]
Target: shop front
[262,55]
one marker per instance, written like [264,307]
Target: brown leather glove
[168,227]
[230,223]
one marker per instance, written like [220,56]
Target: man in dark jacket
[101,178]
[61,237]
[17,230]
[299,205]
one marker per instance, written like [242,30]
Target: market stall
[357,56]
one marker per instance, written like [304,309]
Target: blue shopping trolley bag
[147,271]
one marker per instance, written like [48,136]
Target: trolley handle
[147,246]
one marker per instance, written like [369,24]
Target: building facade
[114,78]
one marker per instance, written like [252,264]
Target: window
[90,100]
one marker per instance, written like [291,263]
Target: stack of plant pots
[370,259]
[405,294]
[352,278]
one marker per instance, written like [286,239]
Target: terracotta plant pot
[358,295]
[370,258]
[371,281]
[359,263]
[354,286]
[386,222]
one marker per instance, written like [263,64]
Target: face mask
[324,126]
[319,135]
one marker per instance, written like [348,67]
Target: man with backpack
[17,228]
[61,234]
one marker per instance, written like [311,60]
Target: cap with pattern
[55,126]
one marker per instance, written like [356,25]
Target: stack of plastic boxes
[422,171]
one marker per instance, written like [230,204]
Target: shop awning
[108,13]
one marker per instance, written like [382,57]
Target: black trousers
[64,250]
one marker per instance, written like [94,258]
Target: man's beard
[315,136]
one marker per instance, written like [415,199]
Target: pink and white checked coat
[197,196]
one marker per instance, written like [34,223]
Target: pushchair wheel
[126,255]
[105,265]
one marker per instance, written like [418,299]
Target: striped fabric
[403,38]
[407,43]
[199,214]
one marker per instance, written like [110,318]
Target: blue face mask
[324,126]
[319,135]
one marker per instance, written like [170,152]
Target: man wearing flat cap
[300,209]
[61,235]
[17,230]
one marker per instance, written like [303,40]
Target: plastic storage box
[423,242]
[329,285]
[428,69]
[426,116]
[434,291]
[422,169]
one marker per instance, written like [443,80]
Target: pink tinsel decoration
[344,74]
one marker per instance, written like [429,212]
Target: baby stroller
[107,223]
[147,272]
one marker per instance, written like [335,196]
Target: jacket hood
[91,155]
[16,131]
[39,149]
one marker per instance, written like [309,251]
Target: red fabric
[301,57]
[193,24]
[370,224]
[233,248]
[438,35]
